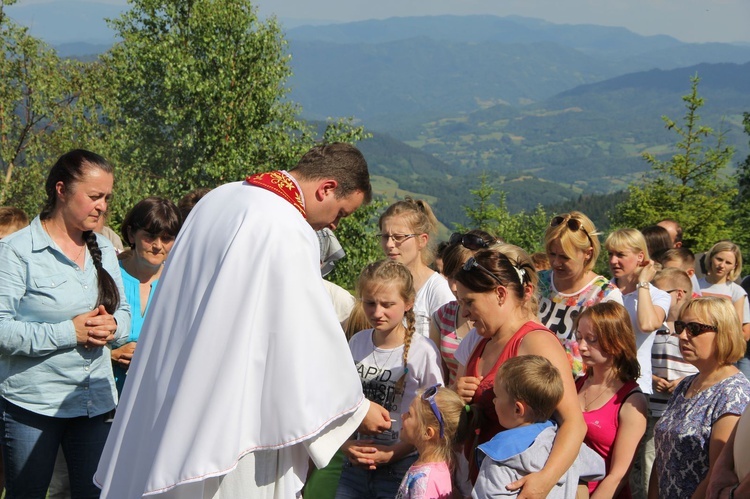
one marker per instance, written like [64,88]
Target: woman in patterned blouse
[705,407]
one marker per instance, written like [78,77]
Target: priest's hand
[377,420]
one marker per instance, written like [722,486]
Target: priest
[242,374]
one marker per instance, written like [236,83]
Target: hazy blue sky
[687,20]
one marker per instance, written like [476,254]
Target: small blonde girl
[435,422]
[393,364]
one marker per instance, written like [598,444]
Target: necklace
[44,224]
[374,357]
[710,380]
[587,403]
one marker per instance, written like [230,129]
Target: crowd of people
[208,357]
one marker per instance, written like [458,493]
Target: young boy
[683,259]
[527,390]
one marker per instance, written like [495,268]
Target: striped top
[446,320]
[667,363]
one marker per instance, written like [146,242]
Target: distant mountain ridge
[386,71]
[487,28]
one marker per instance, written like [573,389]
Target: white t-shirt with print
[380,369]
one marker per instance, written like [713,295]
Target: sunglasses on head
[472,263]
[468,241]
[574,225]
[693,328]
[429,396]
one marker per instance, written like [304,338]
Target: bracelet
[731,491]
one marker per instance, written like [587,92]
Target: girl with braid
[393,363]
[60,313]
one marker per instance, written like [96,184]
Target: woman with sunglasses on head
[572,246]
[449,326]
[496,291]
[405,231]
[632,271]
[62,308]
[705,407]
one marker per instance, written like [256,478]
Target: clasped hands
[95,329]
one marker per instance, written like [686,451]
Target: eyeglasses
[397,238]
[572,223]
[429,396]
[468,241]
[675,290]
[693,328]
[472,263]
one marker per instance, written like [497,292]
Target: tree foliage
[358,236]
[741,219]
[46,108]
[693,186]
[200,93]
[489,212]
[199,96]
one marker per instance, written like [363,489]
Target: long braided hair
[70,169]
[389,273]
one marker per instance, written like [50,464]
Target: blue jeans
[30,443]
[382,483]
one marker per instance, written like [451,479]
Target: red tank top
[484,396]
[602,426]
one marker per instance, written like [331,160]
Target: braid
[411,321]
[109,295]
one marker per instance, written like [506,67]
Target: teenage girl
[433,424]
[405,231]
[723,266]
[613,405]
[393,364]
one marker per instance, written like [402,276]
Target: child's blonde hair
[533,380]
[455,420]
[390,273]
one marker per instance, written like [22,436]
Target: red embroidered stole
[280,184]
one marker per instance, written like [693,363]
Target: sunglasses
[397,238]
[468,241]
[472,263]
[429,396]
[693,328]
[573,225]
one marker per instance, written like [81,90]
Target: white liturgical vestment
[241,370]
